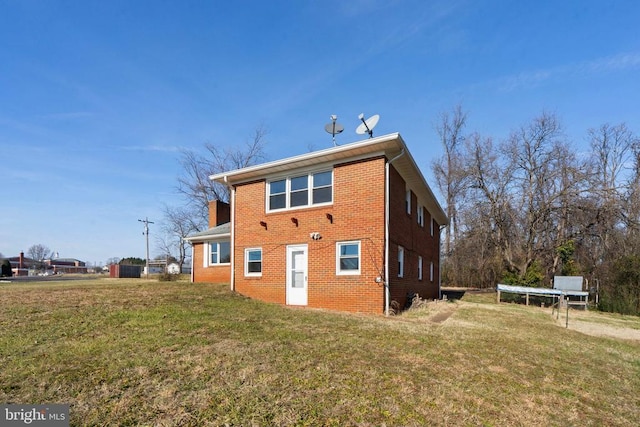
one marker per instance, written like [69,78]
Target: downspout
[192,263]
[387,294]
[232,200]
[442,227]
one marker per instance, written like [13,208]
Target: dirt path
[599,325]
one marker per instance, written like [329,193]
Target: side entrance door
[297,275]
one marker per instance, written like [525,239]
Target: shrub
[168,277]
[532,278]
[5,268]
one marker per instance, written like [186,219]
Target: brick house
[211,249]
[351,228]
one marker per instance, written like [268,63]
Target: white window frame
[431,271]
[431,224]
[208,250]
[400,261]
[420,211]
[288,190]
[247,273]
[341,272]
[407,200]
[420,268]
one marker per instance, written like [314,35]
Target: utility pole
[146,223]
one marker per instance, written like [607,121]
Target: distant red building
[21,265]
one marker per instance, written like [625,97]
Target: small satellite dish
[334,128]
[367,125]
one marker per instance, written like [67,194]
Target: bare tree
[533,151]
[448,169]
[194,184]
[179,222]
[611,156]
[39,253]
[487,212]
[518,200]
[198,190]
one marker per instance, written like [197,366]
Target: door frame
[297,296]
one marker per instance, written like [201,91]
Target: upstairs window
[431,226]
[278,194]
[322,187]
[407,201]
[299,195]
[300,191]
[420,215]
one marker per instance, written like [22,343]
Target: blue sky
[97,98]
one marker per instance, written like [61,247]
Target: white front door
[297,275]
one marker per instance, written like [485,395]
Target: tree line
[531,207]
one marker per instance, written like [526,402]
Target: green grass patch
[135,352]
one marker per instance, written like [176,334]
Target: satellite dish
[367,125]
[334,128]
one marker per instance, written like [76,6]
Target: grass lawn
[136,352]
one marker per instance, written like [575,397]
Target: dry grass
[149,353]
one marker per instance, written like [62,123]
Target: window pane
[300,198]
[215,251]
[254,267]
[322,195]
[349,263]
[255,255]
[299,183]
[297,279]
[349,250]
[225,252]
[321,179]
[277,202]
[254,260]
[276,187]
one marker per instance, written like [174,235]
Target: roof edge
[223,177]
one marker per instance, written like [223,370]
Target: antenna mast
[334,128]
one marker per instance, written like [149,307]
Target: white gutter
[387,294]
[192,269]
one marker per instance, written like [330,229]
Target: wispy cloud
[622,61]
[619,62]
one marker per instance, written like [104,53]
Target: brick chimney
[219,213]
[21,260]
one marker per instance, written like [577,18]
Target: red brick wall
[405,231]
[212,274]
[357,213]
[219,213]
